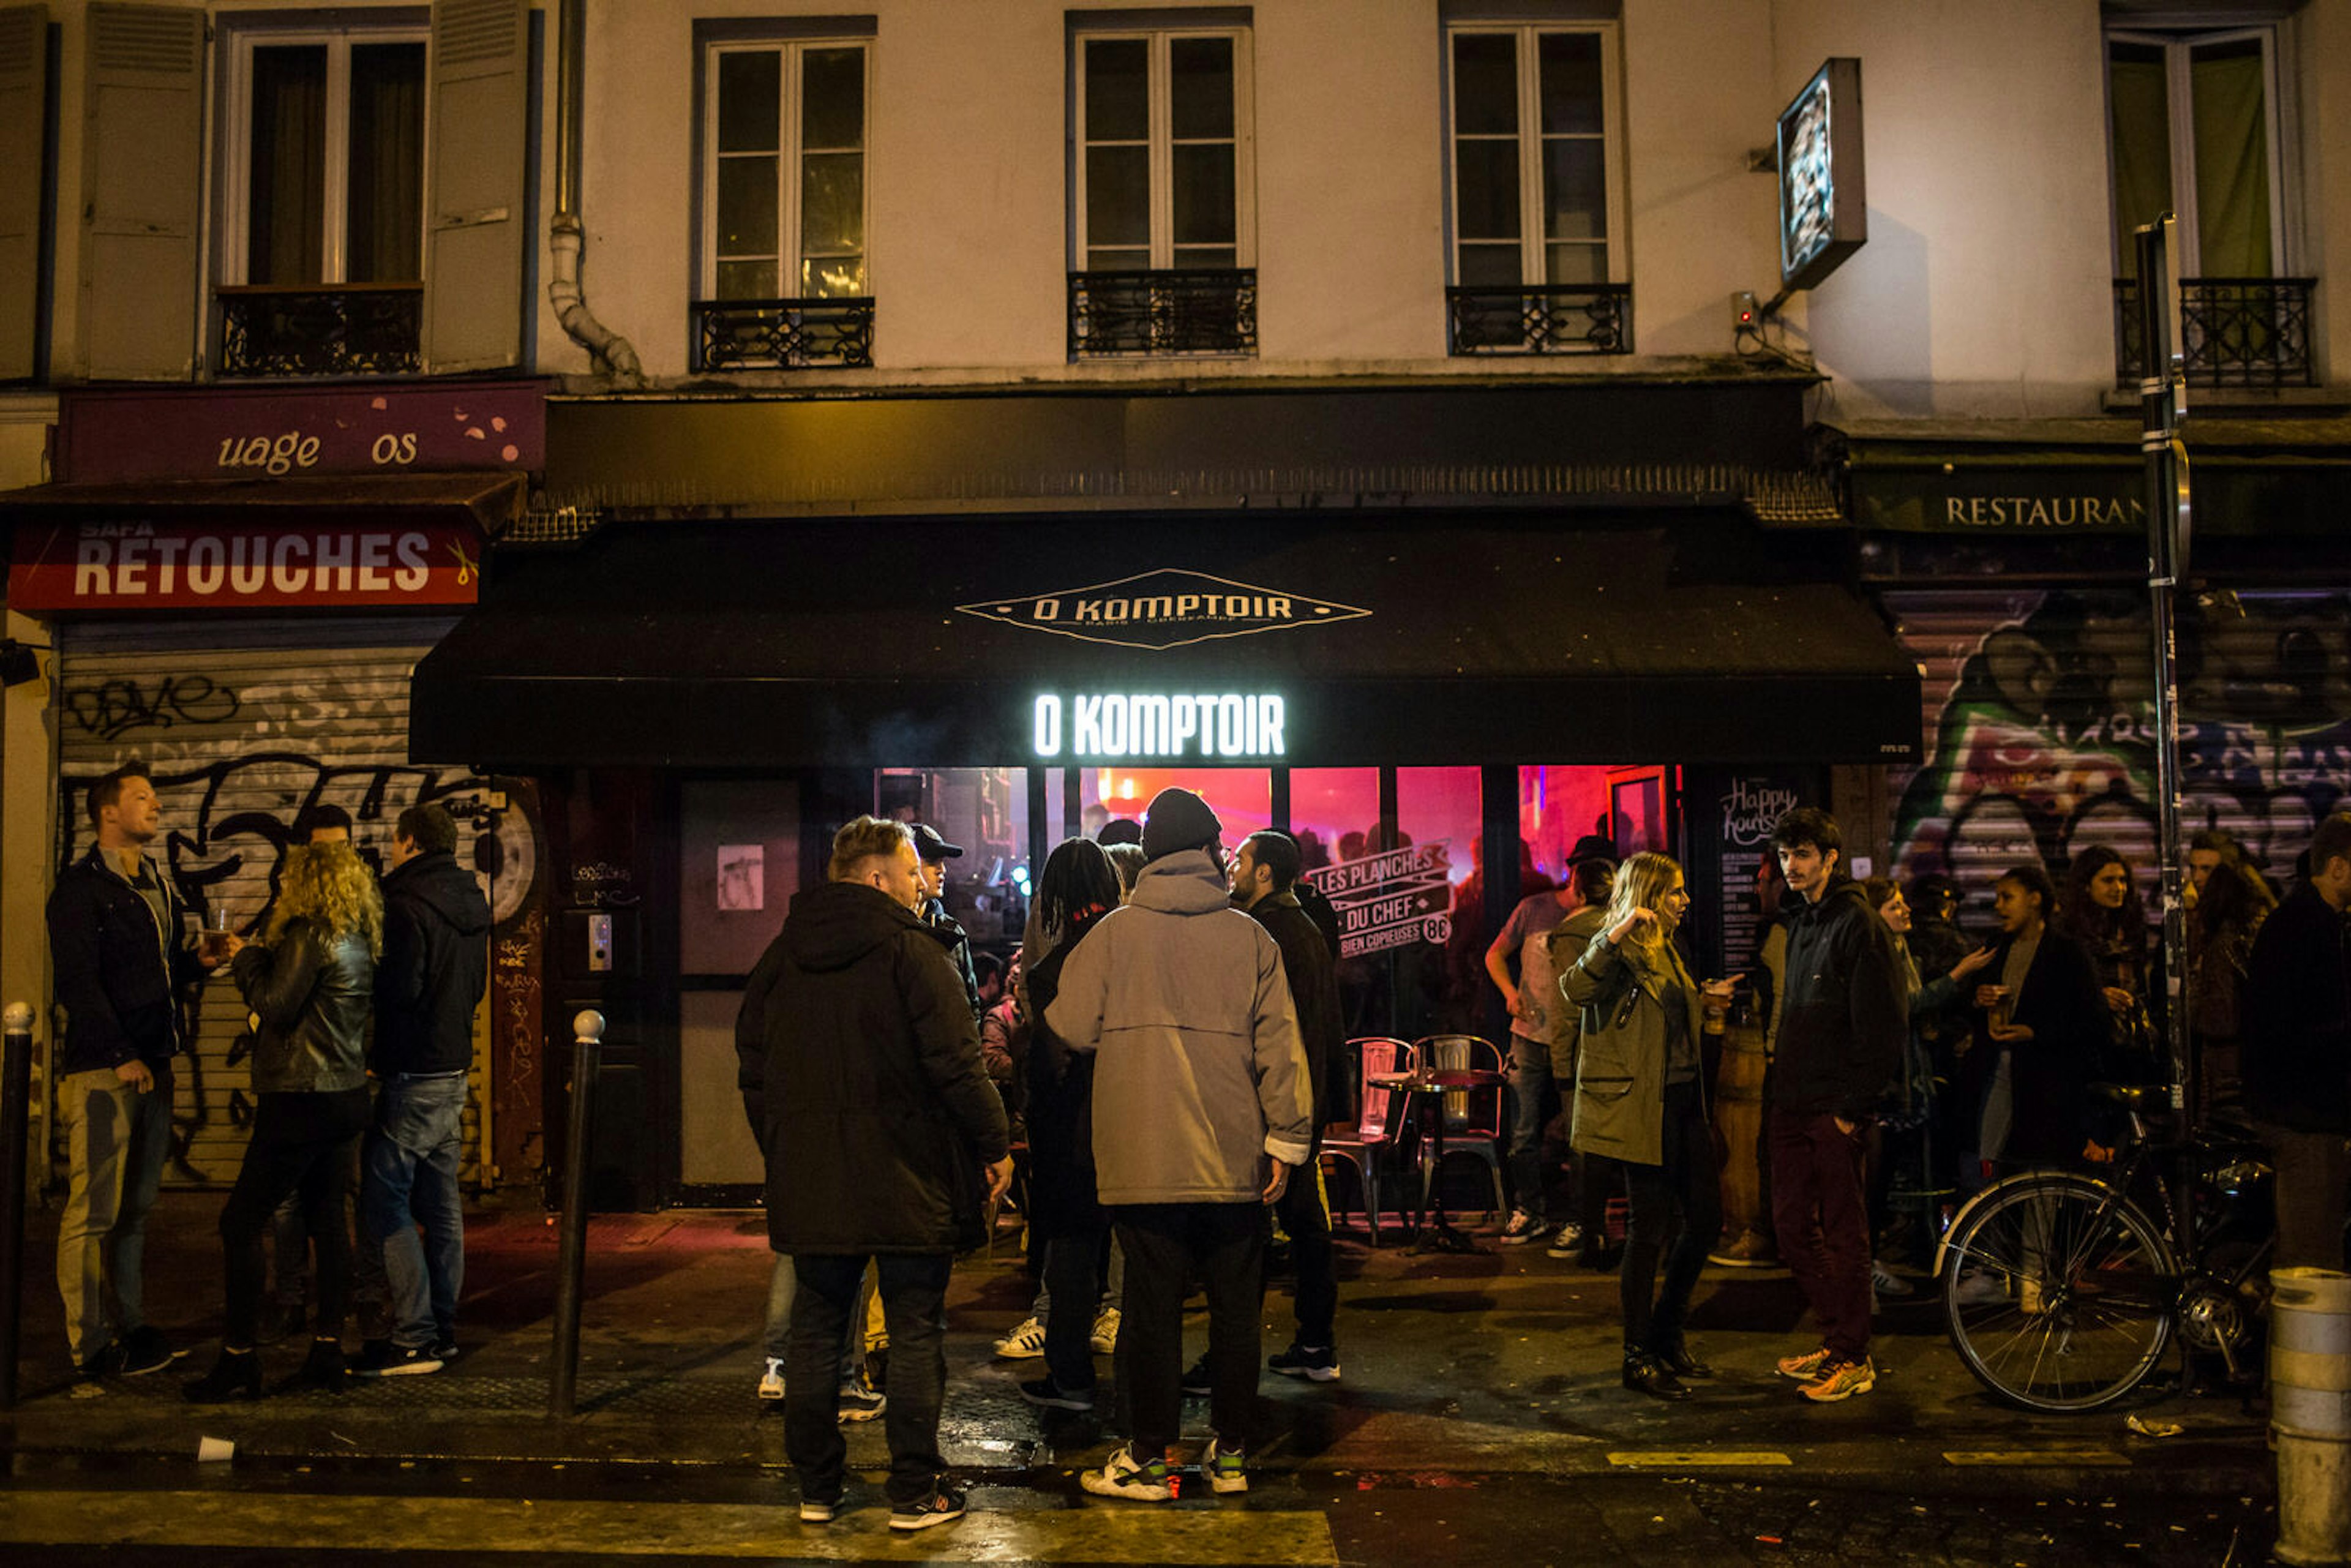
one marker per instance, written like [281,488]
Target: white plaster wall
[1699,95]
[1985,288]
[2322,36]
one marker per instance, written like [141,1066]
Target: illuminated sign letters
[1153,724]
[1824,207]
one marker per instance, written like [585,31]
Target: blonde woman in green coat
[1639,1100]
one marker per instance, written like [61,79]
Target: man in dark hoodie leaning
[884,1139]
[1844,1019]
[1265,883]
[436,966]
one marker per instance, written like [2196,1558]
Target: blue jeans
[914,1287]
[408,1177]
[1530,1088]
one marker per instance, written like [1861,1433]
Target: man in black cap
[936,852]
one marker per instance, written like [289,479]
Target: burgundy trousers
[1820,1207]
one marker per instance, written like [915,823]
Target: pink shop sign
[107,437]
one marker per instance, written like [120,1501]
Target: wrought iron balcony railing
[2233,332]
[320,329]
[782,334]
[1173,312]
[1544,319]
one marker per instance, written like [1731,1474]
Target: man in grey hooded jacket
[1202,1106]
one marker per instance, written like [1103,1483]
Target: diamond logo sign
[1165,608]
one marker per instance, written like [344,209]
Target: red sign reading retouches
[164,566]
[110,437]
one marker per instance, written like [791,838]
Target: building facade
[1427,424]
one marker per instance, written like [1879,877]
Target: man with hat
[936,852]
[1203,1106]
[1535,1007]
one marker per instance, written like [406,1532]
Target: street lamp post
[2162,408]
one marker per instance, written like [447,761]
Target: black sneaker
[1319,1364]
[144,1349]
[106,1361]
[382,1358]
[1195,1379]
[1046,1392]
[444,1348]
[944,1506]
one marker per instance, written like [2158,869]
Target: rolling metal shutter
[2039,724]
[244,724]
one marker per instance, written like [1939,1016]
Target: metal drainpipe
[611,353]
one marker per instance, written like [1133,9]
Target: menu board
[1732,813]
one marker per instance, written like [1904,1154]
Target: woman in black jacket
[1077,888]
[2030,1069]
[310,982]
[2102,910]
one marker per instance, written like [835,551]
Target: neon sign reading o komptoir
[1177,724]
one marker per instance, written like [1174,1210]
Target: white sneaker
[1886,1282]
[1023,1344]
[1106,1336]
[771,1382]
[1980,1288]
[1123,1475]
[1224,1468]
[1523,1228]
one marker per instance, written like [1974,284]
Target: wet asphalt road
[133,1515]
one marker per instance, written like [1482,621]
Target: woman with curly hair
[2101,909]
[1639,1099]
[309,981]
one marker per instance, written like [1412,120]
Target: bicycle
[2062,1289]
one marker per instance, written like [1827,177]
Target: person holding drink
[2043,1016]
[1639,1100]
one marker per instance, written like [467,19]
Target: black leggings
[302,1142]
[1685,1181]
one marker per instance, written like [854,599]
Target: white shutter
[24,83]
[141,135]
[240,739]
[480,138]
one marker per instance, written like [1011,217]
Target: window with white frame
[2193,119]
[1164,172]
[325,161]
[784,206]
[1536,196]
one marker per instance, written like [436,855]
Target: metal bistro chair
[1473,1117]
[1374,1133]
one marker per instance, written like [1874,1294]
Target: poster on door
[1395,898]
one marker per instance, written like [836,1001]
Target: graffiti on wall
[2040,709]
[238,751]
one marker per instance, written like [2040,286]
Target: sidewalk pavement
[1500,1362]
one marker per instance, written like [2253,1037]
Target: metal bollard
[2310,1412]
[587,1035]
[15,1106]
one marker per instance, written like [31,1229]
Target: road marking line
[1688,1459]
[1104,1532]
[2037,1457]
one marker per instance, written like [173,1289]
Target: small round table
[1436,1083]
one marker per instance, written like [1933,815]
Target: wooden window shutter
[23,93]
[142,152]
[479,140]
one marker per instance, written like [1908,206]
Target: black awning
[489,501]
[1381,640]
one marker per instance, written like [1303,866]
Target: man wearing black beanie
[1203,1106]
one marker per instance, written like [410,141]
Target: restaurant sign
[1160,610]
[165,565]
[110,437]
[1172,725]
[2002,498]
[1393,899]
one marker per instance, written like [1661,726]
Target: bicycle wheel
[2059,1293]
